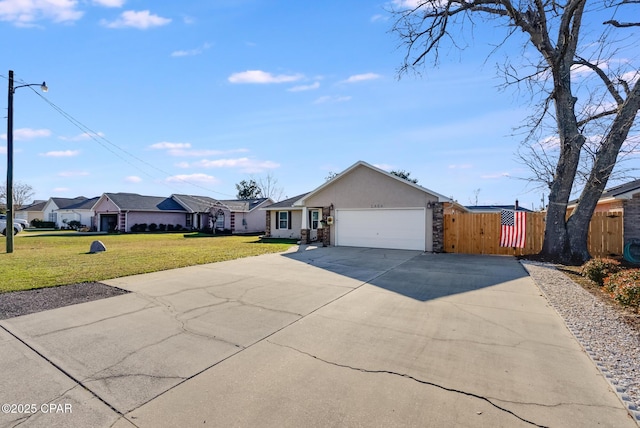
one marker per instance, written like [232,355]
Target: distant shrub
[153,227]
[177,227]
[624,286]
[170,227]
[139,227]
[39,224]
[162,227]
[598,269]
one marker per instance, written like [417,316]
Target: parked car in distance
[17,227]
[22,222]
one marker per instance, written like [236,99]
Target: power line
[112,147]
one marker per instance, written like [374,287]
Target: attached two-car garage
[402,228]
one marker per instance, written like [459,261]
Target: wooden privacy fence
[471,233]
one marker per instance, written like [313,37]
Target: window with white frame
[283,219]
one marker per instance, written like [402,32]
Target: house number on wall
[376,205]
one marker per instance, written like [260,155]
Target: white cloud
[301,88]
[133,179]
[3,150]
[378,17]
[27,134]
[194,178]
[191,52]
[243,164]
[407,4]
[24,13]
[61,153]
[141,20]
[259,76]
[166,145]
[362,77]
[109,3]
[73,174]
[329,99]
[460,166]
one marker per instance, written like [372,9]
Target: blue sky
[194,96]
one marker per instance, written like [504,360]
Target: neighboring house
[54,206]
[120,211]
[245,215]
[82,212]
[363,206]
[198,210]
[622,199]
[235,215]
[35,211]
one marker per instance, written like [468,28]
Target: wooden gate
[472,233]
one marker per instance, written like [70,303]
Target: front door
[314,223]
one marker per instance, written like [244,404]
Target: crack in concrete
[148,306]
[408,376]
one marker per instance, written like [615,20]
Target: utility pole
[10,165]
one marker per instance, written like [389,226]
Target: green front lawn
[60,258]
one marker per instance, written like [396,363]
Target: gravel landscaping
[30,301]
[609,337]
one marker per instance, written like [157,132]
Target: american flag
[513,227]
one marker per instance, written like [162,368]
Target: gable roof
[86,204]
[244,205]
[36,206]
[286,204]
[135,202]
[196,204]
[63,203]
[623,191]
[441,198]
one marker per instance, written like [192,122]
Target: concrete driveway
[319,337]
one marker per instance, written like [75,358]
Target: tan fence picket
[472,233]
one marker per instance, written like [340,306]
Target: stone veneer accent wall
[326,232]
[438,227]
[267,230]
[631,222]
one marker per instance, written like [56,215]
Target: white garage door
[381,228]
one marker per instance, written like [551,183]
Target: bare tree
[269,187]
[580,78]
[22,192]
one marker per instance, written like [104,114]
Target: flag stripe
[513,228]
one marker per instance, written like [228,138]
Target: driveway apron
[314,337]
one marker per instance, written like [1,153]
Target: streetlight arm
[43,86]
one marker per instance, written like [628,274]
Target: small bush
[153,227]
[162,227]
[598,269]
[624,286]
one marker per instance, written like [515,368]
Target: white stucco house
[364,206]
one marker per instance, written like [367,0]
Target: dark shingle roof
[135,202]
[63,203]
[196,204]
[623,188]
[36,206]
[85,204]
[287,203]
[243,204]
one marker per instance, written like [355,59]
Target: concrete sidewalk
[318,337]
